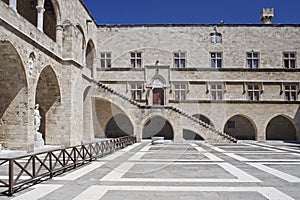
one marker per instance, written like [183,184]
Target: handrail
[21,170]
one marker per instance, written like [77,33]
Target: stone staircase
[213,135]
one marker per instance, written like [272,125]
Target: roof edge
[194,25]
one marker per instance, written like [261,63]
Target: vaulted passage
[241,128]
[281,128]
[14,109]
[48,97]
[119,126]
[158,126]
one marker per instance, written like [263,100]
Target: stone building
[215,82]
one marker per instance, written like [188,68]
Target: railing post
[11,177]
[50,165]
[33,167]
[75,159]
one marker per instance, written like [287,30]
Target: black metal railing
[17,172]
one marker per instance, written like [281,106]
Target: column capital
[40,9]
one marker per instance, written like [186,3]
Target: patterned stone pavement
[247,170]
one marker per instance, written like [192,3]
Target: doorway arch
[241,128]
[158,91]
[281,128]
[158,126]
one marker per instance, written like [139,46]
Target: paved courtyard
[190,171]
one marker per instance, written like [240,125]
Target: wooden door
[158,96]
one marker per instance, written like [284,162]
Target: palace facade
[216,82]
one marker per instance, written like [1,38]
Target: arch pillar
[261,135]
[138,132]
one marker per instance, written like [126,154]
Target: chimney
[266,15]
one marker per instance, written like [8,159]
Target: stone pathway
[190,171]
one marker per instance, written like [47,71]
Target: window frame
[290,91]
[289,59]
[180,92]
[136,61]
[217,60]
[182,61]
[255,92]
[216,91]
[136,93]
[252,60]
[105,59]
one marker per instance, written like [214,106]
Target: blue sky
[191,11]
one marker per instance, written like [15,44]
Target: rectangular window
[216,60]
[289,60]
[180,60]
[105,60]
[217,92]
[290,92]
[254,92]
[136,91]
[180,92]
[136,59]
[252,60]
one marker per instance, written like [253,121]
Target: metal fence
[17,172]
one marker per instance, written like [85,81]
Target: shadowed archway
[281,128]
[48,96]
[241,128]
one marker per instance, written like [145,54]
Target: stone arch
[50,18]
[158,126]
[241,127]
[119,126]
[204,119]
[282,127]
[90,56]
[14,110]
[191,135]
[48,96]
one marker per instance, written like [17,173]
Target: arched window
[50,21]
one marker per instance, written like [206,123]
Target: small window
[217,92]
[254,92]
[180,92]
[289,60]
[136,59]
[216,60]
[179,60]
[290,92]
[105,60]
[136,91]
[252,60]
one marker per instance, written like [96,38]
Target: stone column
[40,17]
[13,4]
